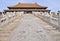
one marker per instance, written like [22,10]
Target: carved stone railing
[53,20]
[8,18]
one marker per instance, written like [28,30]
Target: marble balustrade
[9,17]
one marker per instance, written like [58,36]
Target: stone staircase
[6,30]
[52,31]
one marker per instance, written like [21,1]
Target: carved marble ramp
[29,29]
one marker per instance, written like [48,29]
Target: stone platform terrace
[29,28]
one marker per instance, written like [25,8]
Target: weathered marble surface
[29,29]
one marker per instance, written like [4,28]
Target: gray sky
[53,5]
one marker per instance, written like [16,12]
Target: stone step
[3,38]
[6,30]
[4,34]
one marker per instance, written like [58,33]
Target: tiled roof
[27,5]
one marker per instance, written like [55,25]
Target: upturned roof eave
[27,7]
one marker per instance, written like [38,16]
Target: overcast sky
[53,5]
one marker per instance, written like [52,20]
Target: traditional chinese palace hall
[27,8]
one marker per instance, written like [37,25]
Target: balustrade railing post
[59,19]
[51,17]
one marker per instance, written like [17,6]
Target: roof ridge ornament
[19,3]
[35,2]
